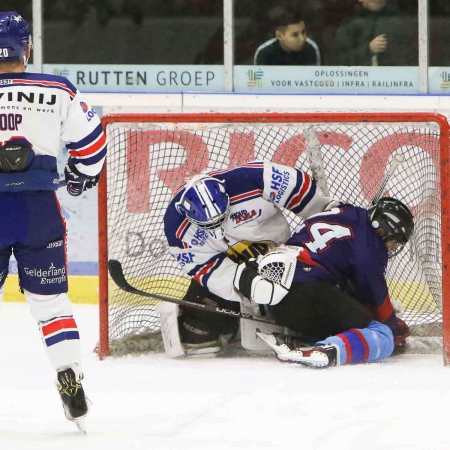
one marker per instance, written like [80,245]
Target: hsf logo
[255,78]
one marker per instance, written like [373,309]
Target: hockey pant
[371,344]
[318,309]
[34,230]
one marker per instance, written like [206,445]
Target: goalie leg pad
[249,338]
[168,314]
[187,331]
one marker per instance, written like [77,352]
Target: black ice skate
[73,398]
[319,356]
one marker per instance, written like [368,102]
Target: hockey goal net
[151,155]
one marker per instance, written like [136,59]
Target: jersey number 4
[323,233]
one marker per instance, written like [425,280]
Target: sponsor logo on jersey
[84,107]
[244,216]
[52,275]
[199,238]
[55,244]
[279,183]
[28,97]
[90,113]
[185,258]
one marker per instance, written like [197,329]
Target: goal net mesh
[147,162]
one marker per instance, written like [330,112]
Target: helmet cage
[396,221]
[14,37]
[205,203]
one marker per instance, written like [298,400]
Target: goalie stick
[116,272]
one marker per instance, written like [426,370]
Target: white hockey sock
[58,328]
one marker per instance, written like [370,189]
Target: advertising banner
[327,79]
[141,78]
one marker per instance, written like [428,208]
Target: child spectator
[291,46]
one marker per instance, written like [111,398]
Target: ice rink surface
[236,401]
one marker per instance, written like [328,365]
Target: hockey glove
[78,182]
[402,333]
[256,288]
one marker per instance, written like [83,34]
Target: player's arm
[294,190]
[372,290]
[85,140]
[212,270]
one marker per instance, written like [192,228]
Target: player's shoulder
[353,210]
[248,169]
[247,176]
[46,80]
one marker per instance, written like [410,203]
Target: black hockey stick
[116,272]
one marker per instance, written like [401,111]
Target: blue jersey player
[37,111]
[339,296]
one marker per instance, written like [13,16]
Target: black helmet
[395,219]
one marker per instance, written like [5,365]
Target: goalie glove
[78,182]
[267,280]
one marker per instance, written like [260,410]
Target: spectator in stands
[377,36]
[290,46]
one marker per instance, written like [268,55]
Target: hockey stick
[315,160]
[116,272]
[398,159]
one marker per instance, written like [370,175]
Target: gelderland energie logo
[255,78]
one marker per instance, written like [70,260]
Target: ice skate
[317,357]
[75,403]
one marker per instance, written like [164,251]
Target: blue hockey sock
[358,345]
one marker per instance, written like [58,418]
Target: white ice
[230,402]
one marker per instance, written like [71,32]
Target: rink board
[409,292]
[82,289]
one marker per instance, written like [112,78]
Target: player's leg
[371,344]
[193,332]
[318,310]
[5,255]
[42,263]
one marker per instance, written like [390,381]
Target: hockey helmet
[206,204]
[396,221]
[14,36]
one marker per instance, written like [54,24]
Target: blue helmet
[14,36]
[205,204]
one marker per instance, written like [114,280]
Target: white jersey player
[220,219]
[37,111]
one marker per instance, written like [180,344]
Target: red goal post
[150,155]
